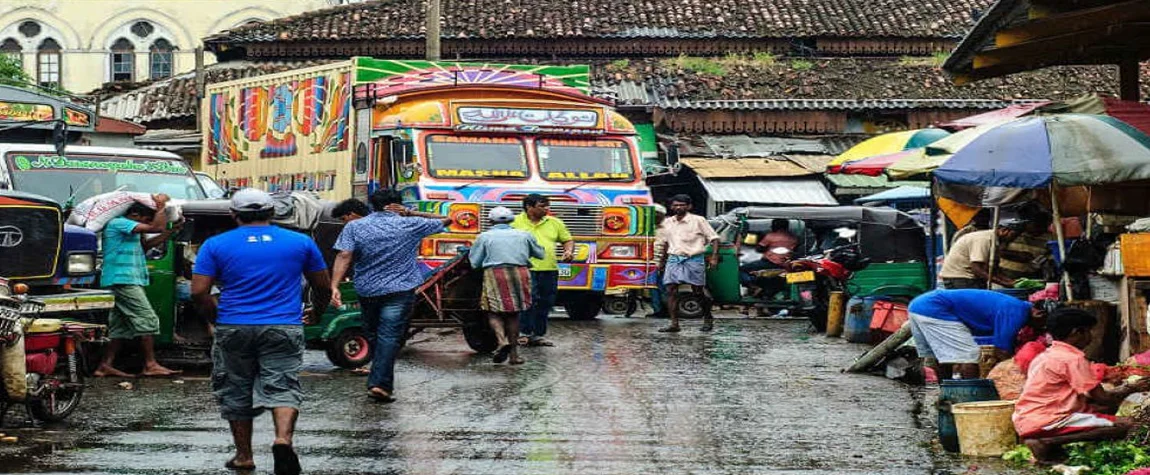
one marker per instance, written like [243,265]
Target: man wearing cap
[125,272]
[383,247]
[504,253]
[967,264]
[258,342]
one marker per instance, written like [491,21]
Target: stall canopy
[887,143]
[775,191]
[1013,111]
[897,195]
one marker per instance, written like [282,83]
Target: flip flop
[362,370]
[501,354]
[381,395]
[231,465]
[287,462]
[523,341]
[540,342]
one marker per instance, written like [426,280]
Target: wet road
[614,397]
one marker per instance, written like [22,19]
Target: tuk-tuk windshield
[82,176]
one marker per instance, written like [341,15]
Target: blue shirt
[260,272]
[384,246]
[503,245]
[986,313]
[124,262]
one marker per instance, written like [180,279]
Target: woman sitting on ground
[1053,409]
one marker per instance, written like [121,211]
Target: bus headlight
[620,251]
[81,264]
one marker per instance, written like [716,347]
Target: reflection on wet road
[613,397]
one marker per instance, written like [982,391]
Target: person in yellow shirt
[548,231]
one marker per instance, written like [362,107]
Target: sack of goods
[95,212]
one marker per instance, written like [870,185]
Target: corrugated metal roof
[865,185]
[833,104]
[629,92]
[744,167]
[745,146]
[771,192]
[837,144]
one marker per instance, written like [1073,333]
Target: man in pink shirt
[779,238]
[1053,409]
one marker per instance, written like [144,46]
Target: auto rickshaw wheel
[480,337]
[350,349]
[689,305]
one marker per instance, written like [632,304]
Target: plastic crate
[888,317]
[1136,254]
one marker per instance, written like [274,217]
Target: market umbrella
[877,165]
[887,143]
[1033,152]
[935,154]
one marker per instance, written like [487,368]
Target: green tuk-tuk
[894,242]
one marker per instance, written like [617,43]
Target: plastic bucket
[985,428]
[859,313]
[956,391]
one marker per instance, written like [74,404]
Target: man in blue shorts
[258,339]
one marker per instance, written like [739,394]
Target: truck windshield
[476,157]
[85,176]
[584,160]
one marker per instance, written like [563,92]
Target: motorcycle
[814,277]
[50,380]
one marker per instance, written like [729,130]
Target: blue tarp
[896,195]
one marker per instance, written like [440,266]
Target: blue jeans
[386,317]
[657,305]
[544,288]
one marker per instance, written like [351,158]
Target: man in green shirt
[548,231]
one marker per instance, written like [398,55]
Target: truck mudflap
[86,300]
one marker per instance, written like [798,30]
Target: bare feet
[671,329]
[380,394]
[155,370]
[515,360]
[1044,454]
[105,371]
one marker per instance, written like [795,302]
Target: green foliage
[1108,458]
[940,58]
[802,65]
[619,64]
[763,58]
[12,72]
[699,65]
[1019,455]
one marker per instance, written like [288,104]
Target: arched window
[123,60]
[48,63]
[160,59]
[10,48]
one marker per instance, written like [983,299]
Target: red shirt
[1056,387]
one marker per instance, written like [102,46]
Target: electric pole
[433,30]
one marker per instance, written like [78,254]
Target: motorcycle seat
[45,325]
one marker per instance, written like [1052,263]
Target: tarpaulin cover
[995,117]
[896,195]
[933,155]
[1074,149]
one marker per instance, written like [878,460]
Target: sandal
[501,353]
[232,465]
[380,394]
[362,371]
[669,330]
[287,462]
[523,341]
[540,342]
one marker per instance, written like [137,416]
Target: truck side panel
[287,131]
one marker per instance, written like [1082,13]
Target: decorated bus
[456,139]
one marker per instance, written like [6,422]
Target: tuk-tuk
[448,298]
[893,242]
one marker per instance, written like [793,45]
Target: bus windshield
[476,157]
[582,160]
[83,176]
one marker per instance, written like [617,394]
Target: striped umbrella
[887,143]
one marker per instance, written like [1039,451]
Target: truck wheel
[480,337]
[616,305]
[584,306]
[350,349]
[689,305]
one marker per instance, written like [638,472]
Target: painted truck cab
[460,139]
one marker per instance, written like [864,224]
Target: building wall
[87,29]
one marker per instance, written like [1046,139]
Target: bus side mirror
[60,137]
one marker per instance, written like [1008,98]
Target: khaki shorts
[132,316]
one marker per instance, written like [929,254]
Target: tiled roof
[737,84]
[869,83]
[494,19]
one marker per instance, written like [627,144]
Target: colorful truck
[457,139]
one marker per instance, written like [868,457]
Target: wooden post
[1061,239]
[1129,83]
[876,354]
[201,85]
[993,264]
[433,30]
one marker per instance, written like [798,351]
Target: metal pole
[993,265]
[1061,239]
[933,274]
[201,85]
[433,30]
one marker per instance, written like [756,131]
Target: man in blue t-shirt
[125,273]
[945,322]
[258,342]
